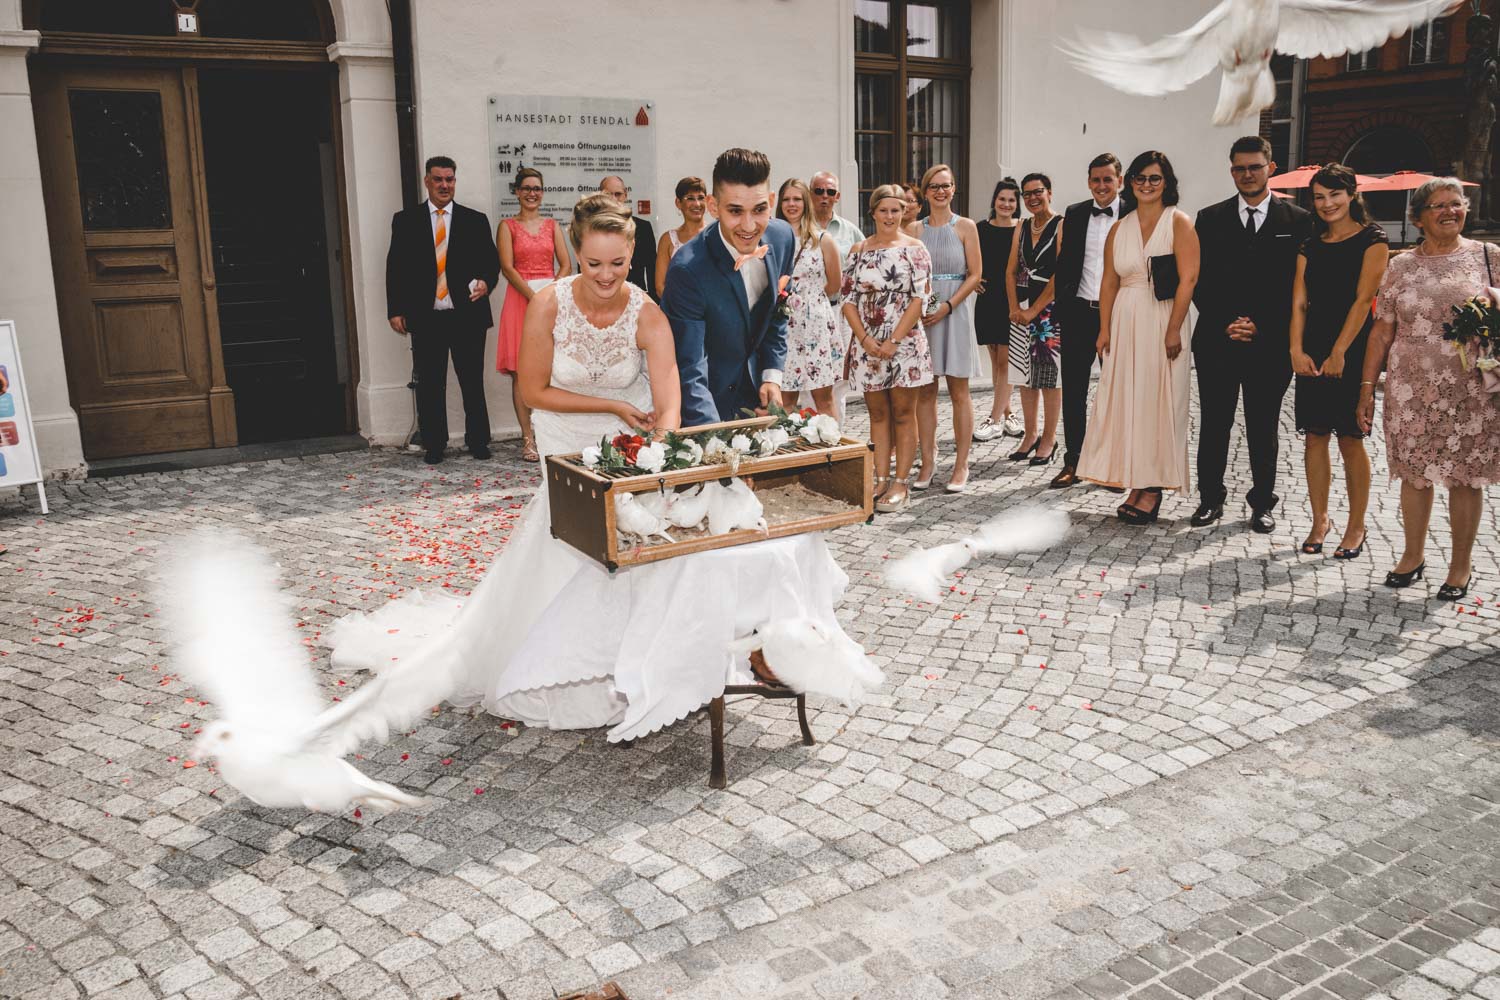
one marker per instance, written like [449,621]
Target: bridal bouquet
[1475,329]
[638,453]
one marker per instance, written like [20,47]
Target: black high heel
[1448,592]
[1021,455]
[1138,517]
[1399,580]
[1316,548]
[1343,553]
[1039,460]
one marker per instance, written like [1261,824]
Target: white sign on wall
[575,142]
[20,463]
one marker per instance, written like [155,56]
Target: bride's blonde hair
[598,212]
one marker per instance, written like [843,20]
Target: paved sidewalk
[1040,694]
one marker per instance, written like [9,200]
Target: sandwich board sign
[20,463]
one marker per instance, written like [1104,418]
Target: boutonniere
[783,297]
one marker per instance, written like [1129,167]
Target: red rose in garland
[628,445]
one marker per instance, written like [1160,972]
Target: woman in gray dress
[953,243]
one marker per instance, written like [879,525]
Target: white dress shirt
[1260,210]
[756,274]
[1093,249]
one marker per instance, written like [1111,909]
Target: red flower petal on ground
[189,763]
[357,814]
[479,791]
[447,761]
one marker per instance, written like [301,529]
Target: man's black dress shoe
[481,452]
[433,457]
[1206,514]
[1262,521]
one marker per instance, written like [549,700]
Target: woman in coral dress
[1138,429]
[532,255]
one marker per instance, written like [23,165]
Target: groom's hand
[770,394]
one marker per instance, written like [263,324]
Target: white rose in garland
[590,456]
[741,444]
[651,457]
[765,445]
[715,448]
[821,429]
[690,452]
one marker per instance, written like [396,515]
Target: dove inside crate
[801,488]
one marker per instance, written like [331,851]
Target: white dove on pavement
[813,658]
[1239,36]
[925,573]
[235,642]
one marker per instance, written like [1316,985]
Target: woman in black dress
[1338,274]
[992,325]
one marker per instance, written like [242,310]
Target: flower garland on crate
[638,453]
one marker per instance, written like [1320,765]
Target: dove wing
[232,626]
[1028,529]
[393,699]
[1333,27]
[1151,68]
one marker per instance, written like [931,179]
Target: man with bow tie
[1080,267]
[722,294]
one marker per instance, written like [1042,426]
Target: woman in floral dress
[814,358]
[1441,427]
[885,283]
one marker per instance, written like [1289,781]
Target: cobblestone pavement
[1020,712]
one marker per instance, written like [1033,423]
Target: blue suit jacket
[723,344]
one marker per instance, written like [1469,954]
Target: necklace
[1035,229]
[1422,250]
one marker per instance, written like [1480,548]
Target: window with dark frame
[1429,43]
[911,94]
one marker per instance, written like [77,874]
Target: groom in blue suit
[721,296]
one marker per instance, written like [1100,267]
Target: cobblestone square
[1155,762]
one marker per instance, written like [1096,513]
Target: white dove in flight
[1239,36]
[232,625]
[925,574]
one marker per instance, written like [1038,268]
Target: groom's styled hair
[741,166]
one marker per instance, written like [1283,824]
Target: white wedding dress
[636,650]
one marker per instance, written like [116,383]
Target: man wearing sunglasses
[825,196]
[1080,268]
[1240,347]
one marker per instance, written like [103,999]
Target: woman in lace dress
[814,357]
[1441,427]
[532,255]
[596,359]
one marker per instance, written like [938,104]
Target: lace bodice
[592,361]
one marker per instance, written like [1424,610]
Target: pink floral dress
[1441,427]
[882,283]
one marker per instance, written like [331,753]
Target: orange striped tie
[440,239]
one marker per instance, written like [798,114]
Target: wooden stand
[716,777]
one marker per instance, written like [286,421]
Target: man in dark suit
[438,275]
[643,258]
[1244,299]
[1080,267]
[722,292]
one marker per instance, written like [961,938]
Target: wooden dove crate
[583,509]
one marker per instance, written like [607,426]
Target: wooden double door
[197,254]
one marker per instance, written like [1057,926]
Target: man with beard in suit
[1240,345]
[1080,268]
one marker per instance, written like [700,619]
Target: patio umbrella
[1408,181]
[1302,177]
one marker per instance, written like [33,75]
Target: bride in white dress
[596,359]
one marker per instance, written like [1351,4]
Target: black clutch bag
[1164,276]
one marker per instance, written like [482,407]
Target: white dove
[688,508]
[732,507]
[233,630]
[813,658]
[924,574]
[1239,36]
[634,517]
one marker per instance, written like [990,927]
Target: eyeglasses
[1029,195]
[940,187]
[1450,206]
[1248,169]
[530,189]
[826,192]
[1147,180]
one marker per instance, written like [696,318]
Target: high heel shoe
[921,484]
[1140,518]
[528,449]
[1316,548]
[1351,553]
[1022,454]
[1448,592]
[1047,460]
[886,506]
[1399,580]
[951,487]
[882,483]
